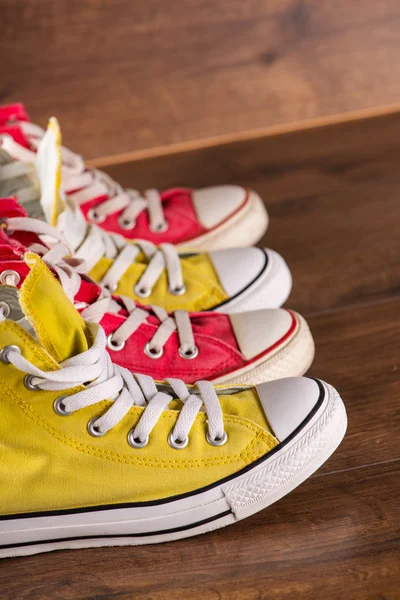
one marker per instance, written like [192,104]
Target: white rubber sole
[291,359]
[270,290]
[235,498]
[245,228]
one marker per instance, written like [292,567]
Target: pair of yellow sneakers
[92,455]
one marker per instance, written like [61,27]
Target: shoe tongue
[59,211]
[57,324]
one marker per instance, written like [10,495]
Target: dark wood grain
[125,75]
[298,164]
[333,194]
[336,535]
[358,351]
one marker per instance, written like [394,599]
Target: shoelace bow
[69,271]
[125,390]
[92,183]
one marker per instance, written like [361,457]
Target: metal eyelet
[160,227]
[137,442]
[126,224]
[153,352]
[113,345]
[28,383]
[59,407]
[94,217]
[178,291]
[4,351]
[110,288]
[177,444]
[5,309]
[142,292]
[189,354]
[7,274]
[217,441]
[94,431]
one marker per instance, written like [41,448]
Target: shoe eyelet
[59,407]
[94,217]
[110,288]
[5,309]
[127,224]
[28,383]
[7,274]
[217,441]
[94,431]
[189,354]
[153,352]
[177,444]
[113,345]
[4,351]
[137,442]
[178,291]
[142,292]
[160,227]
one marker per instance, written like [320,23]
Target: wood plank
[292,165]
[357,351]
[335,535]
[333,198]
[124,76]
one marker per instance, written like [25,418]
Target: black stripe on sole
[121,535]
[246,287]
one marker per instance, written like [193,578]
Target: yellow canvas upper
[203,288]
[51,462]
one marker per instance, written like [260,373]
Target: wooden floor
[124,75]
[333,195]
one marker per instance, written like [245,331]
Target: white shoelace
[109,381]
[100,244]
[92,183]
[68,271]
[96,243]
[23,166]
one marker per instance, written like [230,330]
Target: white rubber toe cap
[214,205]
[287,403]
[253,278]
[258,330]
[237,267]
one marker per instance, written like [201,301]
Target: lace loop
[124,390]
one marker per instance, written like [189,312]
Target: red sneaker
[211,219]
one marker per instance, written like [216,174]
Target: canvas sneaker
[92,455]
[245,347]
[231,280]
[211,219]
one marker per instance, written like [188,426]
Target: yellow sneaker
[230,280]
[94,456]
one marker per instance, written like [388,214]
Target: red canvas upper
[13,112]
[16,133]
[179,212]
[183,223]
